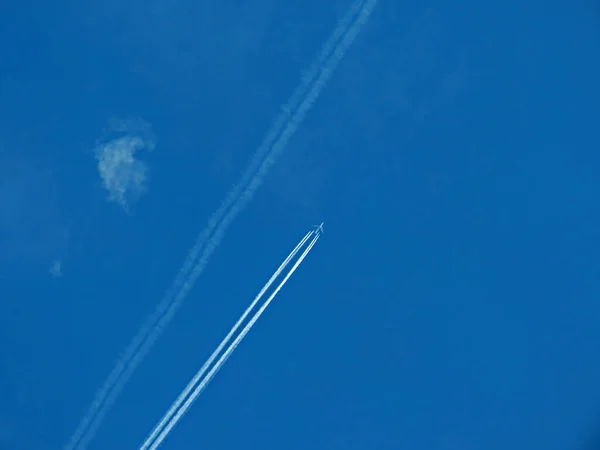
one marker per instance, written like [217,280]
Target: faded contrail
[286,124]
[224,342]
[202,385]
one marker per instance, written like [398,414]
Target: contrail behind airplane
[284,127]
[149,444]
[224,342]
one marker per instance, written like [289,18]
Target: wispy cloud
[56,269]
[290,118]
[125,177]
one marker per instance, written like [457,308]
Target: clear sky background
[454,157]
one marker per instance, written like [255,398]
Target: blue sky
[452,302]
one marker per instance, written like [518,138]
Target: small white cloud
[124,176]
[56,269]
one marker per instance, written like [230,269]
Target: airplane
[319,228]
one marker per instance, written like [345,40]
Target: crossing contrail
[177,410]
[224,342]
[284,127]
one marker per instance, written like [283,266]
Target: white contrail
[224,342]
[202,385]
[286,124]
